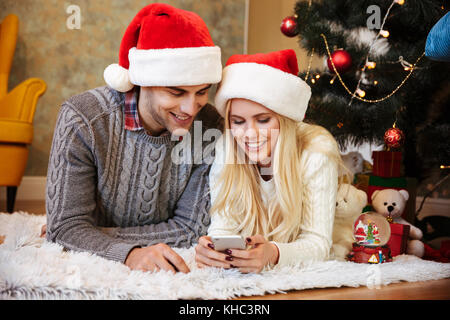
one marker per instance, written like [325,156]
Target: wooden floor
[429,290]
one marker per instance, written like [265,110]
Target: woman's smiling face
[255,129]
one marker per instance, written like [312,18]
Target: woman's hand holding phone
[261,253]
[207,256]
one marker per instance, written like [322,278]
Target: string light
[371,65]
[384,33]
[359,98]
[309,64]
[360,92]
[400,2]
[370,48]
[332,80]
[317,76]
[444,167]
[375,82]
[313,80]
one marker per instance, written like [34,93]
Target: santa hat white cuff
[166,67]
[175,67]
[280,91]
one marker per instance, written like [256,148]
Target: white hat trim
[277,90]
[175,67]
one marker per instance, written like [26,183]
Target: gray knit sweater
[110,189]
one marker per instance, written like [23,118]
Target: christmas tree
[378,75]
[370,237]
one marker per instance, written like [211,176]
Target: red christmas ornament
[342,61]
[394,137]
[289,27]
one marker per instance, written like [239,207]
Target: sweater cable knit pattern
[110,189]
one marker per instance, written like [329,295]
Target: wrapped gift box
[399,238]
[379,183]
[387,164]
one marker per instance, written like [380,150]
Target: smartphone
[228,242]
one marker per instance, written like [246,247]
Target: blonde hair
[239,196]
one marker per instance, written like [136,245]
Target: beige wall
[264,34]
[72,61]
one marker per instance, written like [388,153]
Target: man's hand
[154,258]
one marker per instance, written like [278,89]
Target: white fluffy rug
[31,268]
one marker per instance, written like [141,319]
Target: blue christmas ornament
[438,40]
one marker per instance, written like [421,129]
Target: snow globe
[371,232]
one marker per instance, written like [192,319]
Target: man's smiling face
[171,108]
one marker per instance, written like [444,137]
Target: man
[113,188]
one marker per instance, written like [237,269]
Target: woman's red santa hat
[270,79]
[165,46]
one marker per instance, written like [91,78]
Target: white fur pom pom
[117,78]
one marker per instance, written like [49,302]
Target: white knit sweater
[319,203]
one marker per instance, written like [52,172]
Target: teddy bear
[350,202]
[391,203]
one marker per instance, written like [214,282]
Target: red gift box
[387,164]
[378,183]
[399,238]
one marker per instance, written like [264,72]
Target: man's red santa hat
[270,79]
[165,46]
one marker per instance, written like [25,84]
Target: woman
[275,178]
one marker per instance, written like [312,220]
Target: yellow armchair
[17,109]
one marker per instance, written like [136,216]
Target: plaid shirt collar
[132,121]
